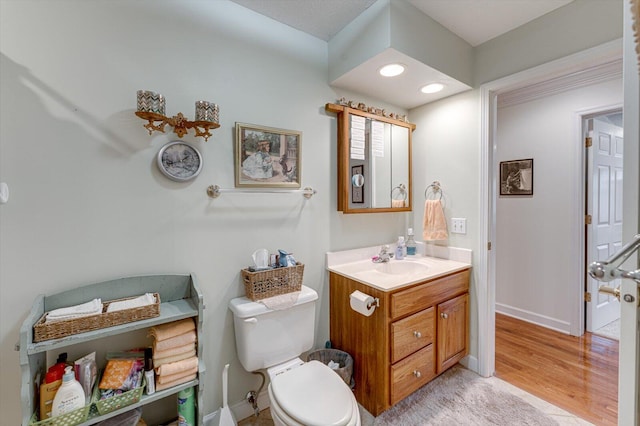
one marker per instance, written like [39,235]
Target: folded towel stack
[174,353]
[93,307]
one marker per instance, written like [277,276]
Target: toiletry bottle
[400,248]
[149,374]
[411,243]
[69,396]
[186,408]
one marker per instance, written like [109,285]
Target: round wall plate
[179,161]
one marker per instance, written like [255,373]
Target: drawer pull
[417,374]
[444,316]
[417,334]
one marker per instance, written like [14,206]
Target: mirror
[374,162]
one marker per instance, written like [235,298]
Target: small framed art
[516,177]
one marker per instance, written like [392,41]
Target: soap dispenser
[400,247]
[411,243]
[69,396]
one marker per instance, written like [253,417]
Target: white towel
[281,301]
[93,307]
[120,305]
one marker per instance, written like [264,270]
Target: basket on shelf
[272,282]
[107,405]
[71,418]
[58,329]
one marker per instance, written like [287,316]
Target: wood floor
[578,374]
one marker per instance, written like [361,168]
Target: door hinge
[587,219]
[587,296]
[588,142]
[489,245]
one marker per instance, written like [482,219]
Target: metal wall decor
[151,107]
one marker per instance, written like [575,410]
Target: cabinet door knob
[417,374]
[417,334]
[444,316]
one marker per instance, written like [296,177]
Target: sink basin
[401,268]
[397,273]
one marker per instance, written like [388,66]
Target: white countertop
[357,265]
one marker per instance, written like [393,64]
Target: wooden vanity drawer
[412,373]
[424,295]
[412,333]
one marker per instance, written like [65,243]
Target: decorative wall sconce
[151,107]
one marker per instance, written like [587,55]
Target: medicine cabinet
[374,161]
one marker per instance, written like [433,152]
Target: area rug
[460,397]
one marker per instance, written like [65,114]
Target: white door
[604,236]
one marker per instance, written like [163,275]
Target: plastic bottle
[69,396]
[400,248]
[186,408]
[149,374]
[411,243]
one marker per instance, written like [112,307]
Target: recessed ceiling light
[391,70]
[432,88]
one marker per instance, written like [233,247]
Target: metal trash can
[343,359]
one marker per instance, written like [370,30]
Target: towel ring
[401,190]
[435,188]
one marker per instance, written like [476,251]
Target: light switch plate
[458,225]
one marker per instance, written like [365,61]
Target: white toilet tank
[266,337]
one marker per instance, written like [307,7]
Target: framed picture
[357,184]
[267,157]
[516,177]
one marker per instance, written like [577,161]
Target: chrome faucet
[383,256]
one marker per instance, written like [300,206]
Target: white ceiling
[475,21]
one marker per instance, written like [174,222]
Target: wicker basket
[55,330]
[71,418]
[107,405]
[344,360]
[273,282]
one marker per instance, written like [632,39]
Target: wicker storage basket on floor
[273,282]
[342,358]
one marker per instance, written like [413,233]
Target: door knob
[444,316]
[417,334]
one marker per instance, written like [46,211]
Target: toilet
[300,393]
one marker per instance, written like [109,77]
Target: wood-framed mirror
[374,161]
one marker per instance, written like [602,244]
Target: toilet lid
[313,394]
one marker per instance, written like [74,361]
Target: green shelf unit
[180,298]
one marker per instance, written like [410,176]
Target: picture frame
[267,157]
[516,177]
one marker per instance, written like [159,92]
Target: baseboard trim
[534,318]
[241,410]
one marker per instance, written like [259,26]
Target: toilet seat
[313,395]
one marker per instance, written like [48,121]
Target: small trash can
[343,359]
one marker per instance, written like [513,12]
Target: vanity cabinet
[180,298]
[416,333]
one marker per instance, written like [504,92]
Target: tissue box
[273,282]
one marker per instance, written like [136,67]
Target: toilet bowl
[300,393]
[311,394]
